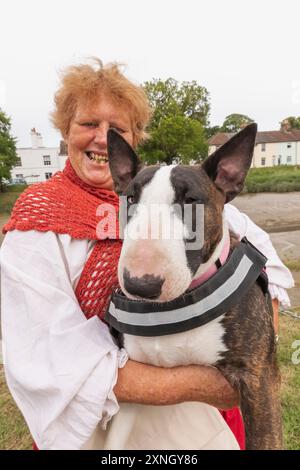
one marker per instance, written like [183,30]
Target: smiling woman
[88,104]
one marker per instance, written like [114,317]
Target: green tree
[177,137]
[293,121]
[8,153]
[235,122]
[180,116]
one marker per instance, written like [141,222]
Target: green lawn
[14,433]
[290,376]
[280,179]
[9,197]
[13,430]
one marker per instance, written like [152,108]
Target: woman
[64,372]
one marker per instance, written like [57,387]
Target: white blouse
[61,368]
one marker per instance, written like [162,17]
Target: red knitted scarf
[65,204]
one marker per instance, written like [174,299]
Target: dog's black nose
[147,286]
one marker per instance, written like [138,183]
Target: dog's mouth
[97,157]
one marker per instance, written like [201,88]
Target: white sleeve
[280,277]
[60,367]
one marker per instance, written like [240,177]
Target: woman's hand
[150,385]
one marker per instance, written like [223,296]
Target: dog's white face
[154,244]
[175,223]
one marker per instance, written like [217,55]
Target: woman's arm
[280,278]
[150,385]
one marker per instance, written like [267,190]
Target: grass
[9,197]
[292,264]
[290,376]
[280,179]
[14,433]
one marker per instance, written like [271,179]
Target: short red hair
[85,83]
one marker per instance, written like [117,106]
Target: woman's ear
[123,162]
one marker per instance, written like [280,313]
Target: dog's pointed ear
[123,162]
[228,166]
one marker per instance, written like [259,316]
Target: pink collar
[213,268]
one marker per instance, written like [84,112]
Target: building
[271,147]
[38,163]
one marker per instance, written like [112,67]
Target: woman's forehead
[100,108]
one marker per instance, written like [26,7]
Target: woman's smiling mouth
[97,157]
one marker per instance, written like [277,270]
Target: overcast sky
[247,53]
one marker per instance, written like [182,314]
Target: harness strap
[194,308]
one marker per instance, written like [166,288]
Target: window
[263,147]
[289,159]
[289,146]
[48,175]
[20,175]
[263,161]
[47,160]
[19,161]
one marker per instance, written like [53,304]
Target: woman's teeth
[97,158]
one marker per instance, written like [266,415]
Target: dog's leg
[261,409]
[260,405]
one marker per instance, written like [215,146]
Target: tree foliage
[8,153]
[177,128]
[235,122]
[294,121]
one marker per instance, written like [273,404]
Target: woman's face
[87,140]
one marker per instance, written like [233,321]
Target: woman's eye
[89,124]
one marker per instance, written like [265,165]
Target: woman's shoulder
[56,205]
[38,205]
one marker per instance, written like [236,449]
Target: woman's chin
[98,175]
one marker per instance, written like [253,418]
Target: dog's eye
[130,199]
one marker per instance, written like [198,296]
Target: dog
[241,341]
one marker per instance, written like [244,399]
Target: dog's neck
[220,253]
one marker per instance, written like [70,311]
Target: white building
[38,163]
[271,147]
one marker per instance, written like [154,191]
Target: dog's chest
[202,345]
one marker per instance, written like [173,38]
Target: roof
[220,138]
[261,137]
[278,136]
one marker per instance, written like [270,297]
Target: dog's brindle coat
[243,344]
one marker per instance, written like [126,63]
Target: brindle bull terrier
[240,343]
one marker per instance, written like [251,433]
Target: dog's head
[175,214]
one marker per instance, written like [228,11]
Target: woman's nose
[101,136]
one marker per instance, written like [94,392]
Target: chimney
[36,139]
[285,126]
